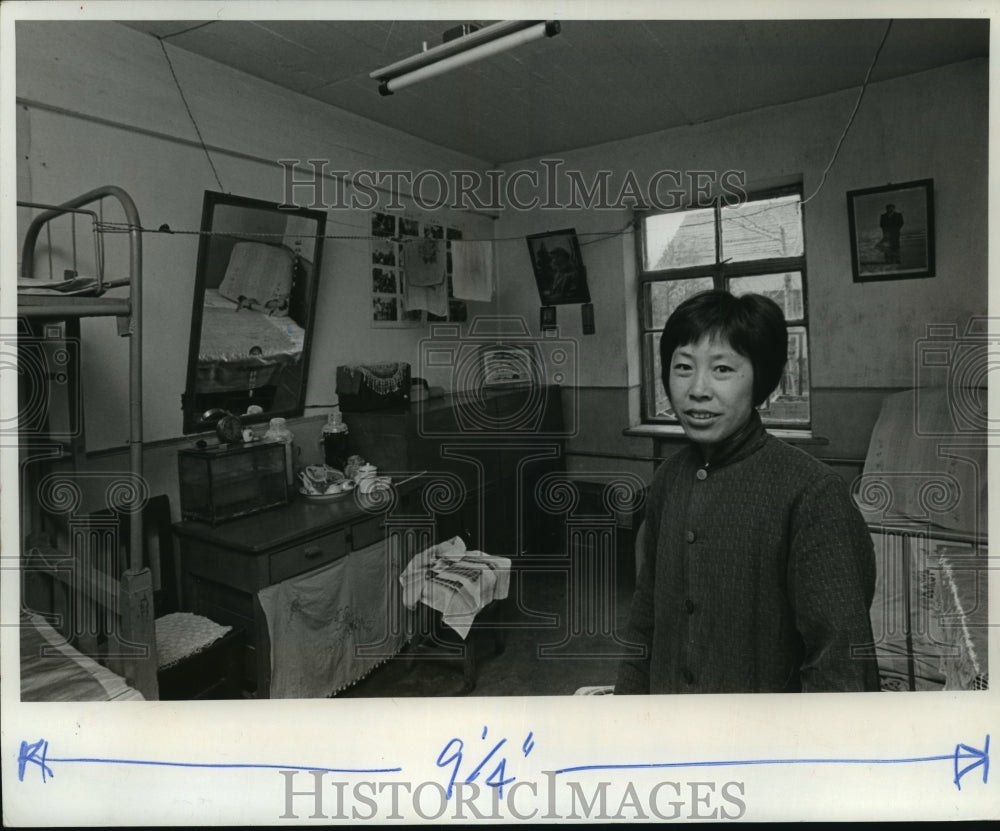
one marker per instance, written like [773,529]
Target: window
[754,246]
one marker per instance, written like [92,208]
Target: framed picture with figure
[892,231]
[558,267]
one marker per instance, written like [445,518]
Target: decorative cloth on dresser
[382,378]
[456,582]
[330,627]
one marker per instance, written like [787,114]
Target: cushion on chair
[181,634]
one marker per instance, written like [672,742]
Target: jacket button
[689,605]
[687,676]
[701,474]
[689,536]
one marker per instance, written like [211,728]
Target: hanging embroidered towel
[424,262]
[432,298]
[472,269]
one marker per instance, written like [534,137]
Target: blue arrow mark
[962,753]
[36,753]
[980,758]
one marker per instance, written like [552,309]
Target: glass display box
[228,481]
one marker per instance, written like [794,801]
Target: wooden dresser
[480,460]
[494,445]
[225,567]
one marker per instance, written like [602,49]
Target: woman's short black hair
[752,324]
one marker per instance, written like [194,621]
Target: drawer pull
[313,551]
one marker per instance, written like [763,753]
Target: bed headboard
[109,619]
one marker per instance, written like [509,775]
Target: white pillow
[261,274]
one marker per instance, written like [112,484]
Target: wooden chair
[191,665]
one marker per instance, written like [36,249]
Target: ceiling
[597,81]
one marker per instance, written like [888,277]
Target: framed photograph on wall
[892,231]
[558,267]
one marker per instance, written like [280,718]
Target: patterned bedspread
[245,348]
[52,670]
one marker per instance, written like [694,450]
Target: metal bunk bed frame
[135,595]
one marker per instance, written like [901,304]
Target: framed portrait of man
[892,231]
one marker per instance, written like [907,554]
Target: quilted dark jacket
[759,576]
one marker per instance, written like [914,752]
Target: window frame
[721,272]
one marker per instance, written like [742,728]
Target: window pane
[789,404]
[679,239]
[784,289]
[761,229]
[661,404]
[666,295]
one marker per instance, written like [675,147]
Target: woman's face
[711,390]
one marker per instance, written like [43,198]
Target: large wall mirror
[254,307]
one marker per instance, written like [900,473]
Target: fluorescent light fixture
[490,40]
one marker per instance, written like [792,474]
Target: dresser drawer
[365,533]
[307,556]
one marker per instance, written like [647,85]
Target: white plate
[326,497]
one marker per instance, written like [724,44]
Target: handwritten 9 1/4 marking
[452,753]
[964,760]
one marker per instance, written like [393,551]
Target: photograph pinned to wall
[385,308]
[458,312]
[383,225]
[389,290]
[383,252]
[558,266]
[892,231]
[548,318]
[383,281]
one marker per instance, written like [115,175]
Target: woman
[759,571]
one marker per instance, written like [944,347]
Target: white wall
[97,105]
[930,125]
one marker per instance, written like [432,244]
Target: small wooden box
[226,482]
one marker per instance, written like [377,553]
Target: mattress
[52,670]
[244,348]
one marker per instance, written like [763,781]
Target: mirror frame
[193,416]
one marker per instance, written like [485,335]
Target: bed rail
[905,607]
[135,594]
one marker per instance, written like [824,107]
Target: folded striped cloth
[456,582]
